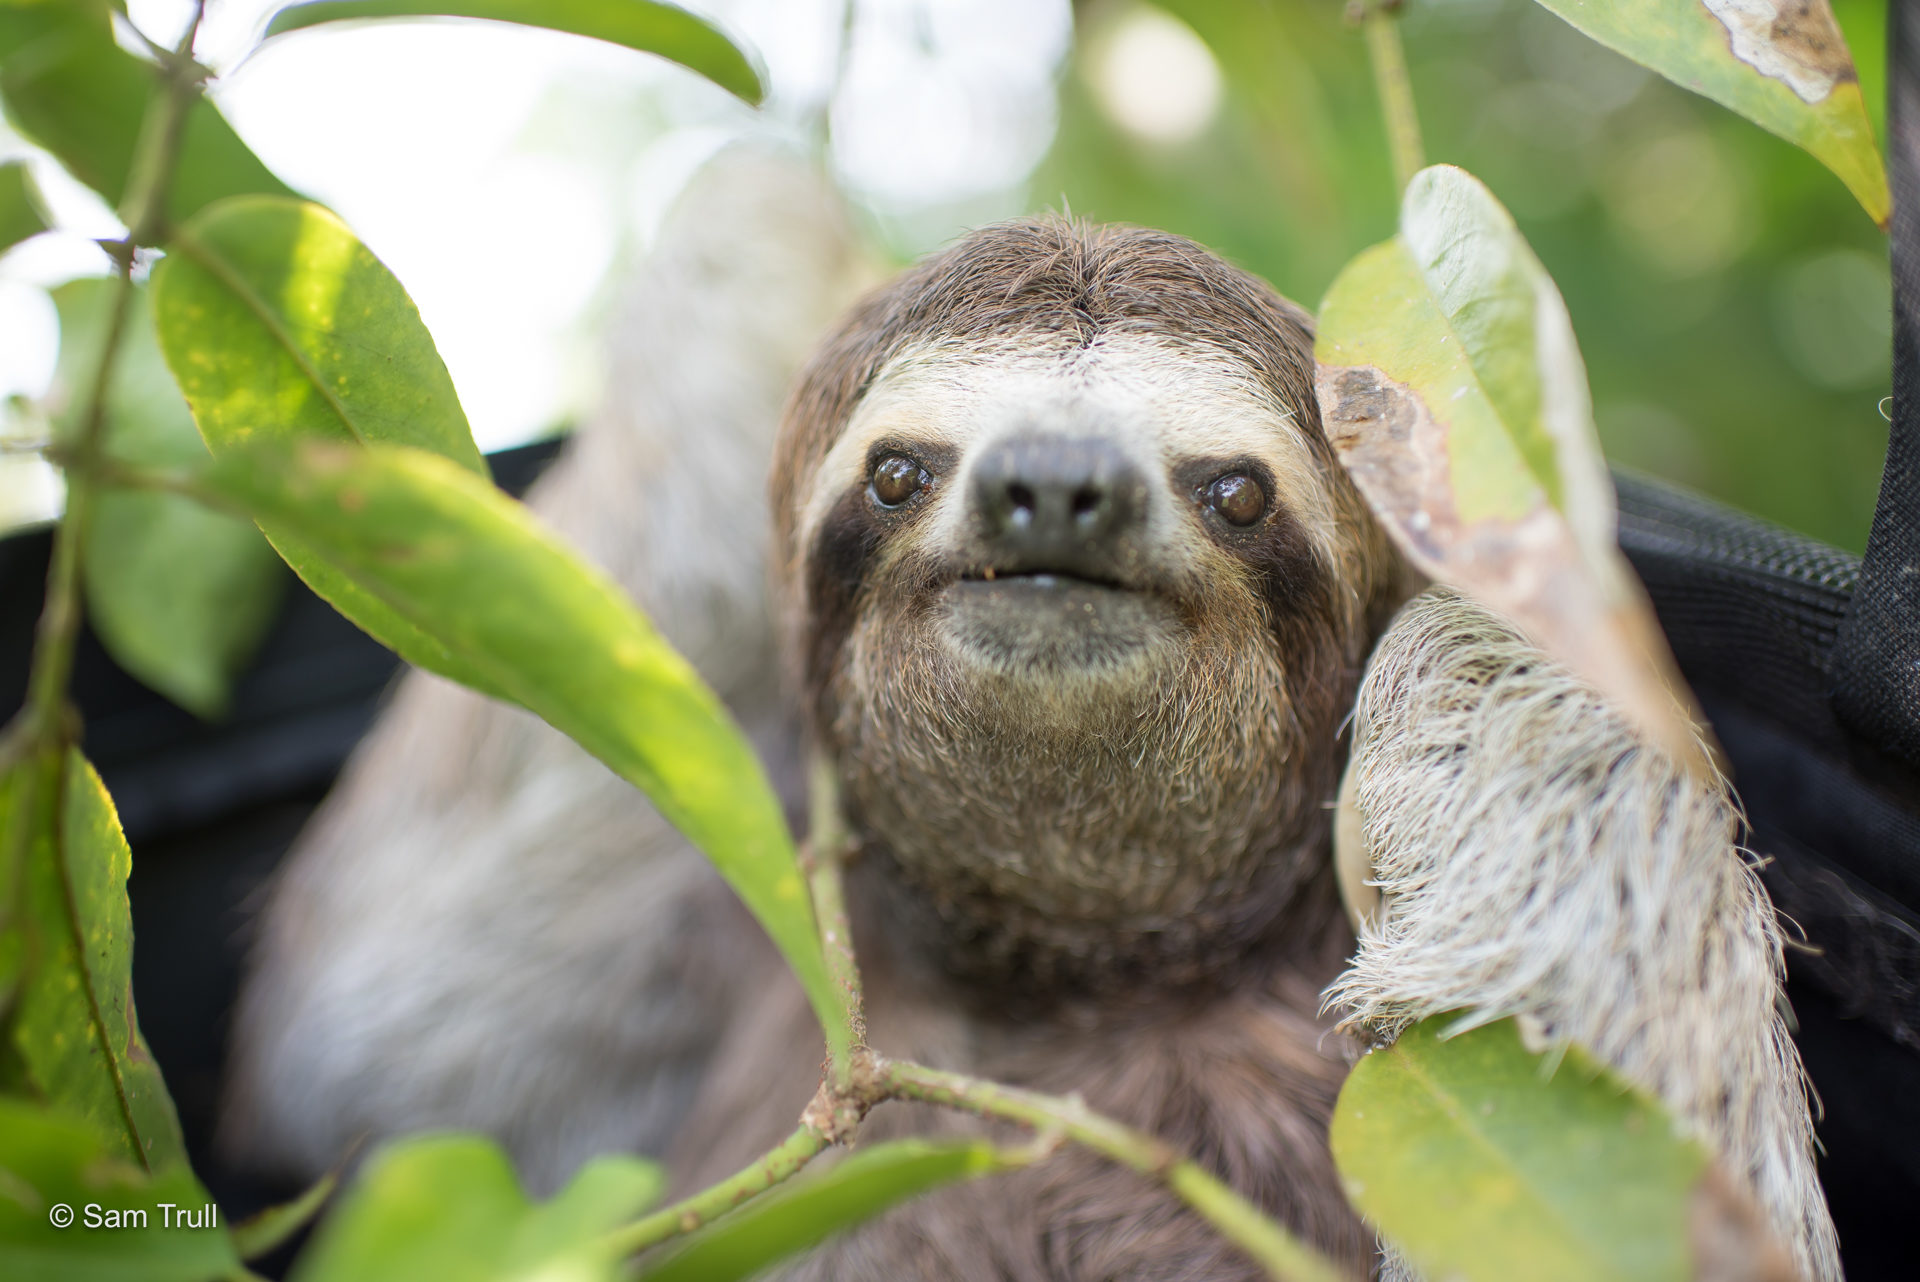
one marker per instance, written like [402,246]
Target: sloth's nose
[1049,503]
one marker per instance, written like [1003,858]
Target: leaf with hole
[470,569]
[71,1034]
[819,1204]
[180,595]
[663,29]
[449,1206]
[1782,64]
[279,324]
[47,1160]
[1452,389]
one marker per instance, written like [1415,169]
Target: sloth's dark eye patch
[1238,498]
[897,478]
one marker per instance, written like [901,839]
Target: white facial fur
[1161,401]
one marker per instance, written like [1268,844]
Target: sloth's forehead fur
[1165,401]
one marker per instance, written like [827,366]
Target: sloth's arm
[484,927]
[1533,860]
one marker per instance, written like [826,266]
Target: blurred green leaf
[665,29]
[72,1033]
[68,87]
[181,596]
[20,215]
[1484,1161]
[817,1205]
[448,1206]
[1782,64]
[279,324]
[48,1160]
[1452,389]
[270,1229]
[470,569]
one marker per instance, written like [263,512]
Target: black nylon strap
[1876,662]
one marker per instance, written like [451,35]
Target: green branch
[1235,1218]
[1381,22]
[823,859]
[685,1216]
[42,719]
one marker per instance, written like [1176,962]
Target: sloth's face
[1078,613]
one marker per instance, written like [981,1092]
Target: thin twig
[825,855]
[1236,1219]
[1382,25]
[685,1216]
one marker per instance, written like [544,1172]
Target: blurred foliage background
[1731,300]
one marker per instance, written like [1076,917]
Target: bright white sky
[502,172]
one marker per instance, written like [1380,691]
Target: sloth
[1073,602]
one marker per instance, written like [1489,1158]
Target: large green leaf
[279,324]
[818,1205]
[70,88]
[72,1035]
[48,1161]
[1452,389]
[20,215]
[1782,64]
[179,594]
[1484,1161]
[469,568]
[448,1206]
[665,29]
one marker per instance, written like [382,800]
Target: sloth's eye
[1238,499]
[897,478]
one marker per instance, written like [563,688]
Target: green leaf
[269,1229]
[1451,387]
[1782,64]
[180,595]
[20,215]
[665,29]
[279,324]
[1482,1160]
[470,569]
[815,1206]
[448,1206]
[72,1029]
[68,87]
[47,1160]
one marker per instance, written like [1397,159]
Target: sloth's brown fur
[1110,878]
[1192,804]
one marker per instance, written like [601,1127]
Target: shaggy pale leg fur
[1633,924]
[484,927]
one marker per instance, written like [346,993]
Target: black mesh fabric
[1876,666]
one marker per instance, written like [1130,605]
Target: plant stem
[1382,25]
[1236,1219]
[826,849]
[149,179]
[685,1216]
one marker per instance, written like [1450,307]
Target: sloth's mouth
[1034,622]
[1045,580]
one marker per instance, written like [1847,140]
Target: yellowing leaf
[279,324]
[469,569]
[1452,389]
[1782,64]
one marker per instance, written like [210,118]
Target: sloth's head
[1078,597]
